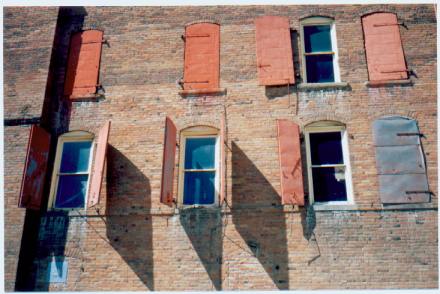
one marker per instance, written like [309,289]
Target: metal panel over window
[400,161]
[274,51]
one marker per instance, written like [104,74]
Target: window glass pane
[326,148]
[199,153]
[71,191]
[329,184]
[75,157]
[320,68]
[317,39]
[199,188]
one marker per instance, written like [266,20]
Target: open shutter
[169,154]
[98,165]
[289,148]
[400,162]
[274,51]
[222,159]
[383,47]
[35,168]
[202,60]
[83,64]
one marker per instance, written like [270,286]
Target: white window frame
[75,136]
[314,21]
[327,127]
[199,132]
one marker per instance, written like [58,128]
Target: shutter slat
[202,56]
[35,168]
[83,64]
[289,148]
[399,160]
[274,51]
[98,165]
[169,154]
[383,47]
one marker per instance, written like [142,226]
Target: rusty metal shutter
[289,148]
[35,168]
[222,159]
[383,47]
[169,154]
[98,165]
[83,64]
[400,161]
[274,51]
[202,56]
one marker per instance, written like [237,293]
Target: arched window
[319,50]
[328,163]
[400,162]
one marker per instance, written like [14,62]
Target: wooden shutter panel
[98,165]
[202,59]
[400,163]
[292,189]
[169,154]
[383,47]
[222,160]
[83,64]
[274,51]
[35,168]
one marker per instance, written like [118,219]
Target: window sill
[408,206]
[390,83]
[334,206]
[322,86]
[195,92]
[88,97]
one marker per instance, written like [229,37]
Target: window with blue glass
[71,170]
[328,163]
[199,175]
[319,50]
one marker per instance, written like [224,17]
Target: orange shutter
[274,51]
[383,47]
[169,154]
[222,159]
[35,168]
[98,165]
[202,60]
[292,189]
[83,64]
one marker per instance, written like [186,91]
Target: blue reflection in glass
[317,39]
[75,157]
[326,148]
[320,69]
[329,184]
[199,188]
[199,153]
[71,191]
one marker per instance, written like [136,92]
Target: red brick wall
[136,243]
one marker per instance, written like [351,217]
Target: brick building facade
[131,240]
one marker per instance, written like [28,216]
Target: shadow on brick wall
[129,225]
[204,229]
[259,218]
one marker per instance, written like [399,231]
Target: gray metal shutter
[400,161]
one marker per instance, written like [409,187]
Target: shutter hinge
[418,192]
[194,36]
[263,65]
[410,134]
[391,24]
[93,42]
[394,71]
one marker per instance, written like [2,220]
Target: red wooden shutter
[274,51]
[292,189]
[98,165]
[383,47]
[35,168]
[83,64]
[202,59]
[169,154]
[222,159]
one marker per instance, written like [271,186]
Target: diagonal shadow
[204,228]
[258,216]
[128,223]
